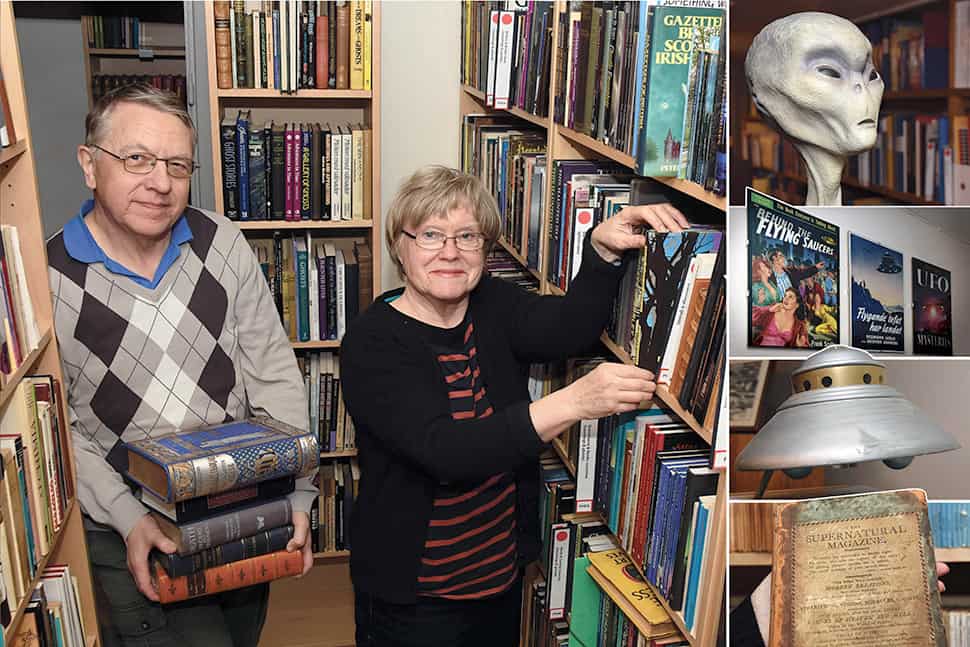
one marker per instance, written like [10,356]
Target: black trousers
[129,619]
[437,622]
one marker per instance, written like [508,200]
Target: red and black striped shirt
[470,546]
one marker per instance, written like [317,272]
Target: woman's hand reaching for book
[615,235]
[145,536]
[301,540]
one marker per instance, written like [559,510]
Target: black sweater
[406,438]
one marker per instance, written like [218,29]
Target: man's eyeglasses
[144,163]
[430,239]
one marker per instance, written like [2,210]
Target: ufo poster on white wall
[877,295]
[932,327]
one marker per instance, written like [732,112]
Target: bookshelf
[563,143]
[165,58]
[902,104]
[21,208]
[294,615]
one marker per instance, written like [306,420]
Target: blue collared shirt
[82,247]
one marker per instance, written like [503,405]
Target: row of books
[36,480]
[501,264]
[911,53]
[318,284]
[622,69]
[327,412]
[589,589]
[293,171]
[131,32]
[506,53]
[957,623]
[230,529]
[927,155]
[752,527]
[338,482]
[52,617]
[101,84]
[289,45]
[19,334]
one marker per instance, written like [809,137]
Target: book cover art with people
[793,276]
[877,295]
[932,327]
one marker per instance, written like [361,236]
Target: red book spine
[227,577]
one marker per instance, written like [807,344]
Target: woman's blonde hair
[434,190]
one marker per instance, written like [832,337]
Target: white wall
[939,388]
[420,119]
[897,228]
[51,54]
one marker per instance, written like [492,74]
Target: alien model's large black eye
[829,71]
[874,75]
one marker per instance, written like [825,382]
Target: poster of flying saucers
[793,276]
[877,295]
[932,327]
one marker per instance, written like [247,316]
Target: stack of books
[219,493]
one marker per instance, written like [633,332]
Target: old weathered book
[227,577]
[855,570]
[191,538]
[343,46]
[176,467]
[219,503]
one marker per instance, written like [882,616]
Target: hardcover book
[227,577]
[176,467]
[191,538]
[219,503]
[268,541]
[855,570]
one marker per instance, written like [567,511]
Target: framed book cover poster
[793,276]
[876,302]
[932,327]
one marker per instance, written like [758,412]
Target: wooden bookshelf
[875,189]
[20,202]
[13,151]
[564,143]
[273,225]
[165,59]
[295,618]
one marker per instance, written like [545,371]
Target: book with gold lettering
[855,570]
[190,464]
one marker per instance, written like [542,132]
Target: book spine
[227,577]
[306,150]
[323,36]
[257,175]
[343,47]
[288,174]
[200,535]
[302,294]
[261,543]
[221,502]
[357,179]
[223,50]
[230,172]
[242,156]
[356,45]
[322,295]
[368,40]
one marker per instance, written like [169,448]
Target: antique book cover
[855,570]
[181,466]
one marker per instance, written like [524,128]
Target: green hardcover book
[670,58]
[302,290]
[584,616]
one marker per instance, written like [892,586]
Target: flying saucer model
[888,265]
[842,413]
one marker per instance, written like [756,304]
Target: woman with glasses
[435,377]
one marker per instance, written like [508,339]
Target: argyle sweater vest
[142,362]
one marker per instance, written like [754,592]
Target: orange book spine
[323,46]
[223,49]
[227,577]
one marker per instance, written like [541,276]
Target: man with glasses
[160,311]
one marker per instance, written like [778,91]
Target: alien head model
[811,76]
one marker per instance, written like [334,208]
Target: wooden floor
[315,611]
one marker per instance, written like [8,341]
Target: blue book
[181,466]
[276,49]
[697,556]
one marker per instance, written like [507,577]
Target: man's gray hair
[98,122]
